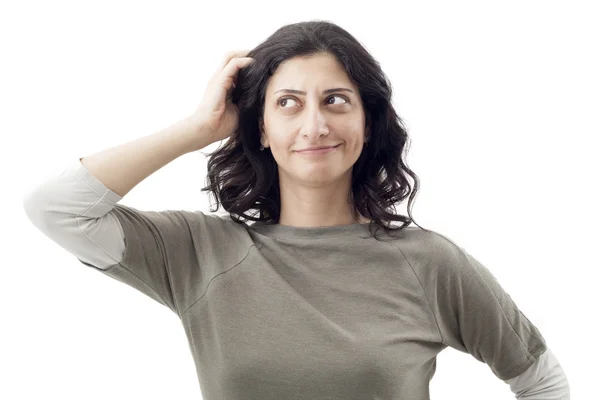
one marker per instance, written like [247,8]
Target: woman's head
[310,101]
[313,56]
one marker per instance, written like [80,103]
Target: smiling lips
[318,151]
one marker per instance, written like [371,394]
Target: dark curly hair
[243,178]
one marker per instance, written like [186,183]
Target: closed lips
[319,148]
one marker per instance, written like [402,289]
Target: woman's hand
[216,114]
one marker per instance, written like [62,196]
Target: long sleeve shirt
[275,312]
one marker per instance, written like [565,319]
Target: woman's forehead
[318,72]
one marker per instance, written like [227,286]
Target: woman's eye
[286,99]
[340,97]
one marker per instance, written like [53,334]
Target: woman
[307,302]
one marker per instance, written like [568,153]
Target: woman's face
[328,112]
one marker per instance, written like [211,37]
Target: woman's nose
[315,122]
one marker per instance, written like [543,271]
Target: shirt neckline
[319,232]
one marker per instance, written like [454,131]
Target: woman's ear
[261,129]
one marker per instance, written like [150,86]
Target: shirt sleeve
[159,256]
[72,209]
[544,380]
[151,251]
[476,315]
[170,256]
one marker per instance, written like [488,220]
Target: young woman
[307,302]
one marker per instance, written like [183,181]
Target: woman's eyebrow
[292,91]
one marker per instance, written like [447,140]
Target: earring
[262,147]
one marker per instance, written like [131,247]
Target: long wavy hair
[242,178]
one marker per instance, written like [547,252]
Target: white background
[502,104]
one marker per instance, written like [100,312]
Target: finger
[230,55]
[233,67]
